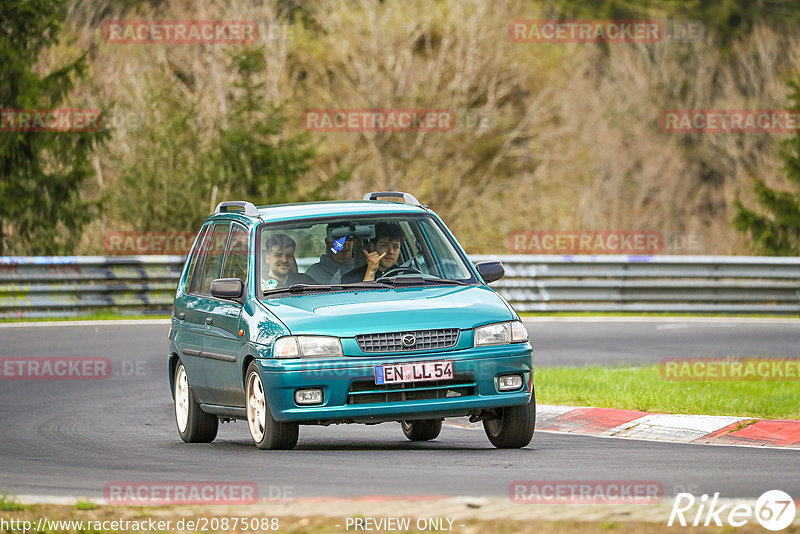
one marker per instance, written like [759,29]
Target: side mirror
[227,288]
[490,271]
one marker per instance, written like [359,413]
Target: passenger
[382,254]
[337,260]
[282,264]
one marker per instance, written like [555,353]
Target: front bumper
[343,381]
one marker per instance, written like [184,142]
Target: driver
[382,253]
[282,264]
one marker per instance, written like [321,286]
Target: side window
[199,251]
[195,254]
[448,264]
[208,269]
[236,255]
[411,249]
[419,252]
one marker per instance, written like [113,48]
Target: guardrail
[79,285]
[37,286]
[694,284]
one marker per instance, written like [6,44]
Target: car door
[198,321]
[223,342]
[188,330]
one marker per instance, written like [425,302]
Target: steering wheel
[401,269]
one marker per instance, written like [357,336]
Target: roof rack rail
[408,198]
[240,206]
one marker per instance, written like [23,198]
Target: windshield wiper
[369,284]
[446,281]
[296,288]
[417,280]
[301,288]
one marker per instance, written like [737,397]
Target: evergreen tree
[41,210]
[777,232]
[727,20]
[256,161]
[248,157]
[166,181]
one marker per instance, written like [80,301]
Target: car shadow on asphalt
[337,445]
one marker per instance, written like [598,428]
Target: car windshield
[340,252]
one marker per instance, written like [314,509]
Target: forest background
[548,136]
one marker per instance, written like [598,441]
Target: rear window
[210,258]
[195,254]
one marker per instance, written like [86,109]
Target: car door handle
[182,316]
[209,321]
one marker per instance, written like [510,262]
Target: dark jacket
[325,270]
[357,275]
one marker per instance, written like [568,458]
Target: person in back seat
[337,260]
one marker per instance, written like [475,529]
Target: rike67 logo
[774,510]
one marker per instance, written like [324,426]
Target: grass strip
[643,388]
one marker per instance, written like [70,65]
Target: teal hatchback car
[343,312]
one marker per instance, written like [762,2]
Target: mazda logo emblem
[409,340]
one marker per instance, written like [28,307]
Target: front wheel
[267,433]
[513,428]
[422,430]
[194,425]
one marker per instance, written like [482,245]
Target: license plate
[414,372]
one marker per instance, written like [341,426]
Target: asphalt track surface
[71,438]
[638,341]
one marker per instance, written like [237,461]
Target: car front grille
[367,392]
[441,338]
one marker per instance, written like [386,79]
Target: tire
[513,429]
[265,431]
[422,430]
[194,425]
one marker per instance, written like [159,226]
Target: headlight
[307,347]
[501,333]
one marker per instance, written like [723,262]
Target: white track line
[772,447]
[655,319]
[118,322]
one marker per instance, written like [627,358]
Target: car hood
[349,313]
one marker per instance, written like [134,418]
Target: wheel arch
[172,364]
[245,364]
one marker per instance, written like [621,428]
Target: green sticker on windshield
[269,284]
